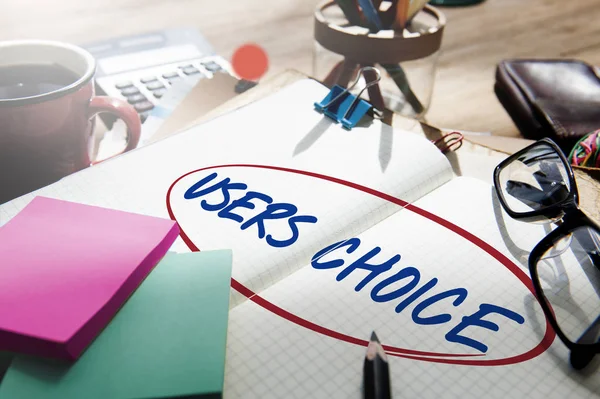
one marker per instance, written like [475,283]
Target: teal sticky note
[167,341]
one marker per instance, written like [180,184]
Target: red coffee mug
[48,134]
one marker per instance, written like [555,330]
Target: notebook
[338,233]
[167,341]
[65,270]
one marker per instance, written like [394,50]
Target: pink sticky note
[67,268]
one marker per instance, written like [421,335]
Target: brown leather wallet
[559,99]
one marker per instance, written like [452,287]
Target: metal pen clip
[347,90]
[336,105]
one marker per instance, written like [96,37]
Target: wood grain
[475,40]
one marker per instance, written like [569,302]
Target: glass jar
[406,60]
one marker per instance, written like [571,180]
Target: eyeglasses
[537,184]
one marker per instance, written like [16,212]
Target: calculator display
[147,58]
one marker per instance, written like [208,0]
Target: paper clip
[346,108]
[449,142]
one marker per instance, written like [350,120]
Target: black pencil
[376,372]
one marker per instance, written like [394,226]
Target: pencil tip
[374,337]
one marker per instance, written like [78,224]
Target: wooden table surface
[475,40]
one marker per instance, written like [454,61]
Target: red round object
[250,62]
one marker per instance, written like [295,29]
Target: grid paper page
[339,210]
[269,356]
[281,130]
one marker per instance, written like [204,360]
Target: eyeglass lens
[569,274]
[535,180]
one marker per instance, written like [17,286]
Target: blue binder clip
[346,108]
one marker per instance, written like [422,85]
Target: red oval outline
[390,350]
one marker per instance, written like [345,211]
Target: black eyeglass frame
[554,211]
[572,217]
[572,220]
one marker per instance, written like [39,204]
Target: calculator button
[148,79]
[144,116]
[211,66]
[186,66]
[130,91]
[170,75]
[159,93]
[143,106]
[243,85]
[123,84]
[190,70]
[136,98]
[155,85]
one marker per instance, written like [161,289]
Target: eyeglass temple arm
[542,156]
[595,257]
[528,194]
[589,240]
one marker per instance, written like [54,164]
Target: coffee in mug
[47,114]
[18,81]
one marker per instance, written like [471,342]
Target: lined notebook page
[282,130]
[304,351]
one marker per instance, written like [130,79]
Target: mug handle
[124,111]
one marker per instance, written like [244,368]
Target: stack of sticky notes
[80,324]
[65,270]
[166,342]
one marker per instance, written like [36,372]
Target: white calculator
[141,68]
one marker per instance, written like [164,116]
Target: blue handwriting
[411,278]
[223,204]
